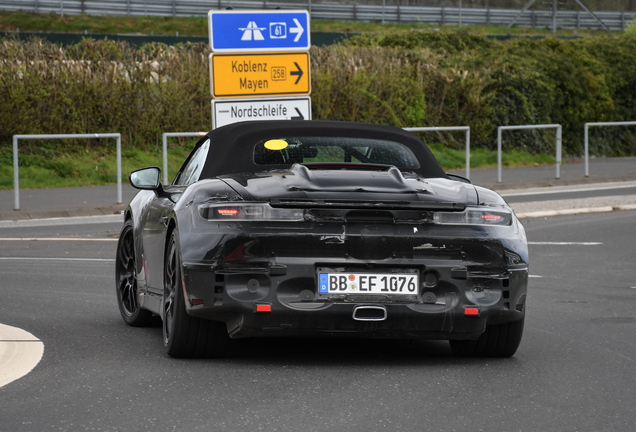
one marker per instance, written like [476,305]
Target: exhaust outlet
[369,313]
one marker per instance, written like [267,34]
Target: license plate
[368,283]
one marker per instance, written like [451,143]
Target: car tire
[501,340]
[126,280]
[186,336]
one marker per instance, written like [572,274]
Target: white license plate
[368,283]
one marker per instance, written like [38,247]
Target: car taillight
[249,212]
[475,216]
[490,216]
[228,211]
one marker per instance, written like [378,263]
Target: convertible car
[316,228]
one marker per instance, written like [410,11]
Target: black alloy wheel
[126,279]
[186,336]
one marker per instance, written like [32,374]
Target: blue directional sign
[259,30]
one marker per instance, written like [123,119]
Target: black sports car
[316,228]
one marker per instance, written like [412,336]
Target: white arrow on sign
[299,30]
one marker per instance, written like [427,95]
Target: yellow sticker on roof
[276,144]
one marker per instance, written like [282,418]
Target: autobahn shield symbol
[252,31]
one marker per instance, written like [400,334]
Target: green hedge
[103,86]
[472,80]
[403,79]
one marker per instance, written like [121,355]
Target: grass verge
[451,159]
[40,167]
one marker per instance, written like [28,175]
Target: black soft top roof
[232,146]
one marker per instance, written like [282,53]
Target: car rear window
[334,149]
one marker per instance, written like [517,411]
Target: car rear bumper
[283,300]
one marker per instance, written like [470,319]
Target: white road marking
[79,220]
[55,239]
[573,211]
[547,213]
[567,243]
[59,239]
[20,352]
[535,276]
[55,259]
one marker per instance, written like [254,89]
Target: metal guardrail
[449,128]
[558,128]
[586,149]
[565,19]
[164,139]
[16,174]
[166,135]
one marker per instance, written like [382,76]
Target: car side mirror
[146,178]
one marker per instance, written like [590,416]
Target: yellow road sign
[259,74]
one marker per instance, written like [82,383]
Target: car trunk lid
[355,186]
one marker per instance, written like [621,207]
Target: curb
[51,214]
[546,190]
[73,220]
[575,211]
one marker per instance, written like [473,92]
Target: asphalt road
[574,371]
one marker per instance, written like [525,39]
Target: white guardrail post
[499,179]
[586,151]
[587,138]
[558,128]
[164,139]
[16,174]
[449,128]
[559,150]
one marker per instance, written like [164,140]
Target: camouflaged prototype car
[315,228]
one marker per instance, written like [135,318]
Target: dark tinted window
[334,149]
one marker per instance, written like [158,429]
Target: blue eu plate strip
[323,283]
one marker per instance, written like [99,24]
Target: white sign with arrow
[298,30]
[226,111]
